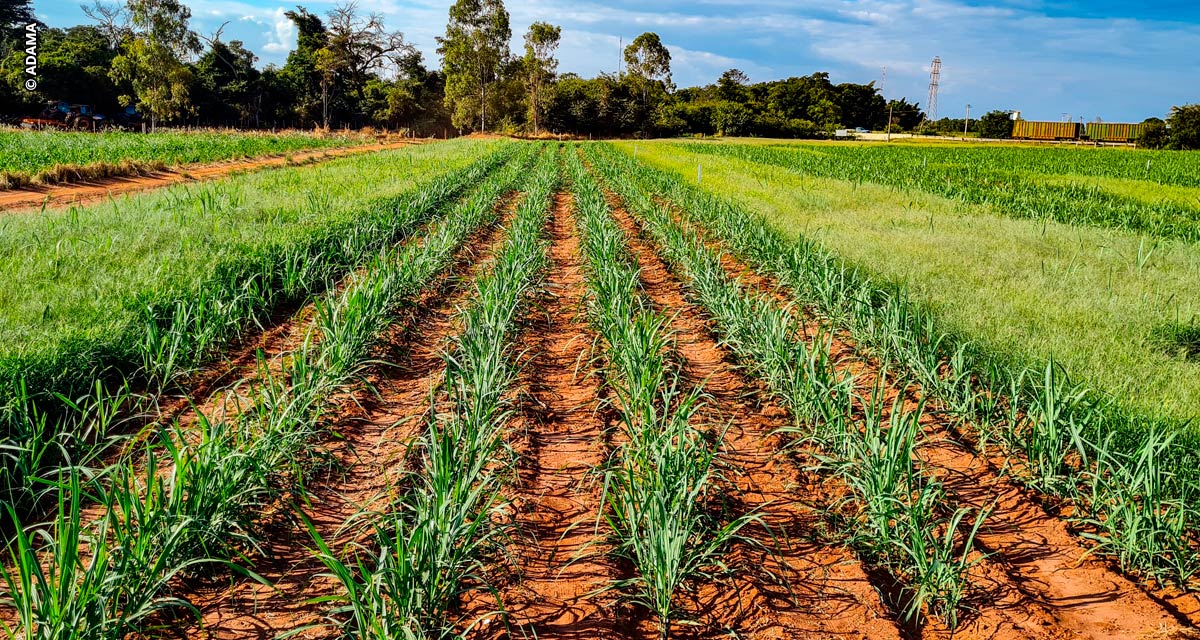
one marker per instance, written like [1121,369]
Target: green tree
[731,86]
[73,66]
[648,63]
[860,105]
[995,124]
[15,12]
[540,64]
[1154,134]
[474,52]
[227,88]
[732,119]
[151,59]
[300,83]
[1184,123]
[907,115]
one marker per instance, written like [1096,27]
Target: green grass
[93,287]
[33,155]
[1093,299]
[893,515]
[1009,181]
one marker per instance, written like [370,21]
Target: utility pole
[889,123]
[967,124]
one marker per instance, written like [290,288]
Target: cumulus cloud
[282,37]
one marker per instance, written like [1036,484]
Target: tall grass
[27,156]
[171,332]
[1071,443]
[446,519]
[145,288]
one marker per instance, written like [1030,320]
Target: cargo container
[1113,132]
[1030,130]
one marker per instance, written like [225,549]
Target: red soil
[802,587]
[374,429]
[558,552]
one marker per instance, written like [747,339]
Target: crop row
[984,182]
[1135,484]
[191,498]
[49,157]
[896,516]
[1159,167]
[659,484]
[56,397]
[444,517]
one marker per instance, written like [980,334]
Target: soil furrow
[1037,580]
[795,585]
[558,550]
[374,428]
[64,194]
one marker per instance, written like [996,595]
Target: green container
[1113,131]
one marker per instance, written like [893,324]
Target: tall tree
[540,64]
[73,64]
[111,18]
[152,59]
[227,84]
[300,75]
[731,85]
[15,12]
[474,51]
[995,124]
[360,46]
[648,62]
[1184,124]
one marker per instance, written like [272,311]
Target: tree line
[348,69]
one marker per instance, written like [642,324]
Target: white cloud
[282,38]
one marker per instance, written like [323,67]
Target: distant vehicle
[860,130]
[62,115]
[129,118]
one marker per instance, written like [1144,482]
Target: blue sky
[1120,61]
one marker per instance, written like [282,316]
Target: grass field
[85,281]
[491,389]
[50,157]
